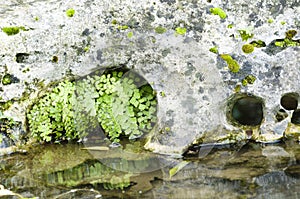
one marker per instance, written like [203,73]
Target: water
[69,171]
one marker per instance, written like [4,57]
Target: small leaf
[177,168]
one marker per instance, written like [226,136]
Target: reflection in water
[67,171]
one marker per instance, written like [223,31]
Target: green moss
[7,79]
[249,79]
[180,30]
[162,93]
[290,34]
[230,26]
[13,30]
[237,88]
[167,129]
[258,44]
[270,20]
[124,27]
[218,11]
[5,105]
[160,30]
[214,50]
[70,12]
[114,22]
[232,64]
[287,42]
[248,48]
[130,34]
[245,34]
[86,48]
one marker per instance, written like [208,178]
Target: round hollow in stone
[296,117]
[247,110]
[281,114]
[289,101]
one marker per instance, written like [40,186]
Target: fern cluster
[122,103]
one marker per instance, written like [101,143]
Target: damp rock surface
[193,58]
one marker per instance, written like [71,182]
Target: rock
[196,88]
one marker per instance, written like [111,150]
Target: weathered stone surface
[193,84]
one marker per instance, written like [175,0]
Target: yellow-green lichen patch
[237,88]
[13,30]
[248,48]
[5,105]
[283,23]
[70,12]
[123,27]
[130,34]
[114,22]
[258,44]
[180,30]
[270,20]
[218,11]
[230,26]
[249,79]
[7,79]
[232,64]
[214,50]
[160,30]
[290,34]
[245,34]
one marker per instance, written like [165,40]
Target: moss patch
[13,30]
[70,12]
[232,64]
[249,79]
[180,30]
[248,48]
[160,30]
[218,11]
[245,34]
[214,50]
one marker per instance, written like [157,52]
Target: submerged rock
[201,96]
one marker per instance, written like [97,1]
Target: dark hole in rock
[289,101]
[281,114]
[296,117]
[248,110]
[21,57]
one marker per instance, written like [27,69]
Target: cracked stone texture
[196,82]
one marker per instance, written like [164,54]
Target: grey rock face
[196,90]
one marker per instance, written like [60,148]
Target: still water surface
[70,171]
